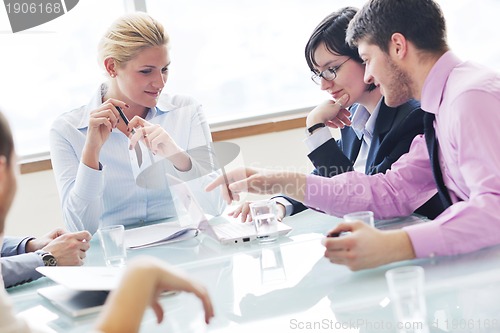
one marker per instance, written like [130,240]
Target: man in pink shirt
[408,57]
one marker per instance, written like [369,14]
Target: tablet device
[74,303]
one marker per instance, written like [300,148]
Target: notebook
[223,229]
[158,234]
[187,225]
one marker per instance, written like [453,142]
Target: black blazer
[394,131]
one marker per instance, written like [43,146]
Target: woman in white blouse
[98,159]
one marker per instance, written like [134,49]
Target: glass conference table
[290,287]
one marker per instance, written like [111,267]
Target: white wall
[36,209]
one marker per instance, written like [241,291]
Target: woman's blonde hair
[129,35]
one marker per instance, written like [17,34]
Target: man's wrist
[401,243]
[283,202]
[30,245]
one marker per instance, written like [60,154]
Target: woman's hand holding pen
[101,122]
[158,141]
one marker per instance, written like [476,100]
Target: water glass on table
[363,216]
[113,243]
[264,214]
[406,290]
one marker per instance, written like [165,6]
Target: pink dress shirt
[465,97]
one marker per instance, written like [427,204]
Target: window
[51,69]
[240,58]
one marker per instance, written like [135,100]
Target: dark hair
[420,21]
[6,140]
[331,31]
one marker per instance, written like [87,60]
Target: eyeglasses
[328,74]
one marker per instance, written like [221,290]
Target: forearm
[181,161]
[125,306]
[90,157]
[291,184]
[82,204]
[261,181]
[80,186]
[467,226]
[398,192]
[20,269]
[400,246]
[12,246]
[82,212]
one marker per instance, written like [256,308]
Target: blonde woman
[93,149]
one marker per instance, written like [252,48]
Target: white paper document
[157,234]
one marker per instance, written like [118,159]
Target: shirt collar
[370,124]
[435,82]
[362,122]
[164,105]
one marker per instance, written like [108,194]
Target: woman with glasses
[376,135]
[100,160]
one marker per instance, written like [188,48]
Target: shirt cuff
[89,182]
[21,249]
[286,203]
[426,239]
[318,138]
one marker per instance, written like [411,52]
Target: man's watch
[47,257]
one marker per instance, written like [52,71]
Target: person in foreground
[21,255]
[378,134]
[97,156]
[145,278]
[408,57]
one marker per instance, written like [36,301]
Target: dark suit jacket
[394,131]
[18,267]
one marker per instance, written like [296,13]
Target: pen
[338,234]
[124,117]
[138,150]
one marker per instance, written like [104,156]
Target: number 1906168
[33,8]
